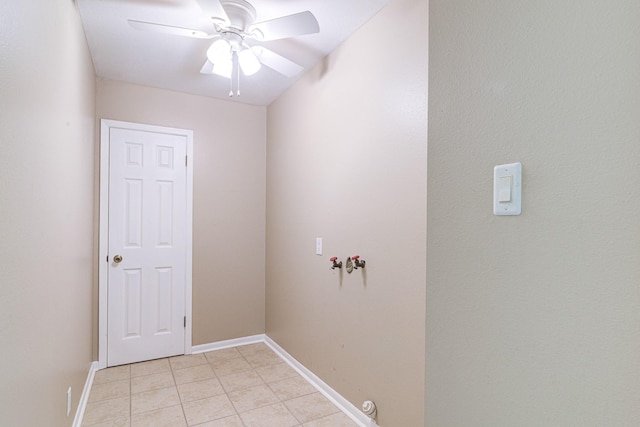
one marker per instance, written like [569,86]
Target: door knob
[117,259]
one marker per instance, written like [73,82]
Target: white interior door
[147,245]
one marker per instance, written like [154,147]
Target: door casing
[105,127]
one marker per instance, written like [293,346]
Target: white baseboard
[82,405]
[202,348]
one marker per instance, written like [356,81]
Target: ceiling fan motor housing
[233,38]
[241,14]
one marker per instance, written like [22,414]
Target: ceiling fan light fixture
[219,51]
[248,62]
[233,22]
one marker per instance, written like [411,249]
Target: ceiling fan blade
[298,24]
[214,10]
[168,29]
[207,68]
[277,62]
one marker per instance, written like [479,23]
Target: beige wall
[346,161]
[534,320]
[228,201]
[47,101]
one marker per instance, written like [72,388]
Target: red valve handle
[355,257]
[333,259]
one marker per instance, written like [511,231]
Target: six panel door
[147,256]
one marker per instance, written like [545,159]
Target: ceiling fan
[233,26]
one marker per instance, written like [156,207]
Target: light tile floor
[246,386]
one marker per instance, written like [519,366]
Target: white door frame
[105,127]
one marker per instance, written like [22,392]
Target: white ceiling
[172,62]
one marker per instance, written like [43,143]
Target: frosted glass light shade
[219,51]
[248,62]
[223,68]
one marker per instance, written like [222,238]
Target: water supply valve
[357,262]
[335,262]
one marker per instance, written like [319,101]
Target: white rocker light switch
[507,189]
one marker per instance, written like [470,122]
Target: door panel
[147,223]
[131,309]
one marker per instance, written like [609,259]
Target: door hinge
[107,258]
[185,321]
[185,161]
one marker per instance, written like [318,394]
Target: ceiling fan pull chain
[231,74]
[238,74]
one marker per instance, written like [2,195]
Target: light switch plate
[507,186]
[318,245]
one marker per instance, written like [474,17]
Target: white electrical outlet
[68,401]
[318,245]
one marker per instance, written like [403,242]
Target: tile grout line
[175,383]
[130,397]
